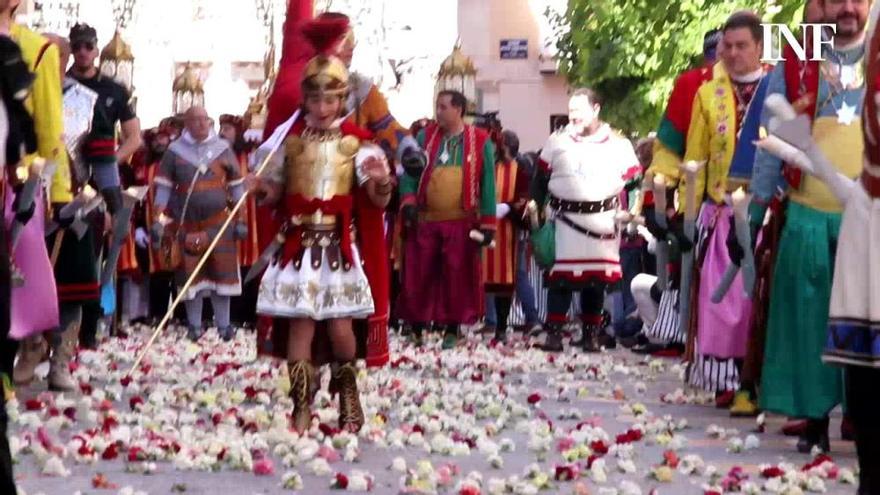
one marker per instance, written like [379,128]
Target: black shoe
[634,341]
[194,334]
[553,341]
[606,341]
[227,334]
[816,434]
[417,336]
[500,336]
[589,341]
[527,329]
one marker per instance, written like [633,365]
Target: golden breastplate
[320,166]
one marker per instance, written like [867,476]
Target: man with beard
[795,381]
[154,257]
[766,240]
[100,149]
[584,168]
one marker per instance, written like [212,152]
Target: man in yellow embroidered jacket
[724,117]
[34,305]
[830,92]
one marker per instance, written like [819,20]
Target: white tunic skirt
[854,316]
[581,258]
[318,294]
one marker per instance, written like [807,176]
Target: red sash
[340,206]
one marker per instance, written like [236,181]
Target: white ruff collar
[748,78]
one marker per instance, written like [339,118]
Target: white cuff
[366,152]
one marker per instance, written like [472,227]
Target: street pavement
[497,419]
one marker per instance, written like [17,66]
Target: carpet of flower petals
[212,418]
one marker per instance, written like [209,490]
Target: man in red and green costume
[448,212]
[829,92]
[669,151]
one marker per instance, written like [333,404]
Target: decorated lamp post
[117,61]
[457,73]
[255,116]
[188,91]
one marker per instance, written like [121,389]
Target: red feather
[325,32]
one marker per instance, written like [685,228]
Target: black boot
[502,313]
[815,434]
[606,341]
[868,450]
[590,339]
[553,342]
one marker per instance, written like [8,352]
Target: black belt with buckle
[584,231]
[563,205]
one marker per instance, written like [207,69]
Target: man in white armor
[584,167]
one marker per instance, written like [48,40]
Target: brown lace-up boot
[351,415]
[301,373]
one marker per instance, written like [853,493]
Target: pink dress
[35,304]
[723,328]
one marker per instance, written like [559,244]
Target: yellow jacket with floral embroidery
[711,138]
[45,104]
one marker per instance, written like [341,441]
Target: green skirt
[795,382]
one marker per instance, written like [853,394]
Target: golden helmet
[325,74]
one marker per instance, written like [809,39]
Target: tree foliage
[630,51]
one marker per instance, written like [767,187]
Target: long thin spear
[273,143]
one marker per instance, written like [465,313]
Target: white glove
[141,238]
[253,135]
[501,210]
[652,241]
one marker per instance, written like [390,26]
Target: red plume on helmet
[296,52]
[286,95]
[325,32]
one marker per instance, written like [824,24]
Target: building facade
[516,73]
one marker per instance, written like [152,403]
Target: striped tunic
[206,211]
[499,263]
